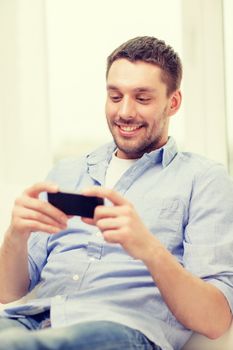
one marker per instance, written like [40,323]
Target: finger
[29,214]
[111,211]
[103,192]
[102,211]
[39,187]
[42,207]
[108,224]
[33,226]
[88,221]
[111,236]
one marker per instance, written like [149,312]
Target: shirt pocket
[164,218]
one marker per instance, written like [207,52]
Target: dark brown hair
[151,50]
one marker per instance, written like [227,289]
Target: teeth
[129,128]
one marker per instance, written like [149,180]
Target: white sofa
[199,342]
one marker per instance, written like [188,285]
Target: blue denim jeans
[34,333]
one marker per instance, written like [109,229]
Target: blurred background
[52,79]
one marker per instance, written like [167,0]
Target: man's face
[138,108]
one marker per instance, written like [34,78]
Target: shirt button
[76,277]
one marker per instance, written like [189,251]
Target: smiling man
[155,262]
[138,107]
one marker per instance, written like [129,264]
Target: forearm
[14,275]
[198,305]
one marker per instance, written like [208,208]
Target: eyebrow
[139,89]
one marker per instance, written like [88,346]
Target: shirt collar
[103,153]
[170,150]
[163,155]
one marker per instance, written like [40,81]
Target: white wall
[204,83]
[24,134]
[24,143]
[228,45]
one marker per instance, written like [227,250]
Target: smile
[129,128]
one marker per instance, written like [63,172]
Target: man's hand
[121,224]
[29,214]
[32,214]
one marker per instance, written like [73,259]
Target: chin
[130,152]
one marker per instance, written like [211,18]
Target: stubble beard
[136,148]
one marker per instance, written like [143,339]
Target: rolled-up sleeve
[208,236]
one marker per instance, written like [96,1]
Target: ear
[175,102]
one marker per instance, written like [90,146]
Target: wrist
[154,253]
[15,240]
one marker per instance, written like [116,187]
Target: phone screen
[75,204]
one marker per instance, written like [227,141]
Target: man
[155,263]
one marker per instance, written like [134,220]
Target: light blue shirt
[187,203]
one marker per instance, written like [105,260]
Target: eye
[115,98]
[143,99]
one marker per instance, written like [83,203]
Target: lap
[101,335]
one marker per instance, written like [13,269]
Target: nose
[127,108]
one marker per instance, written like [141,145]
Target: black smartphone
[75,204]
